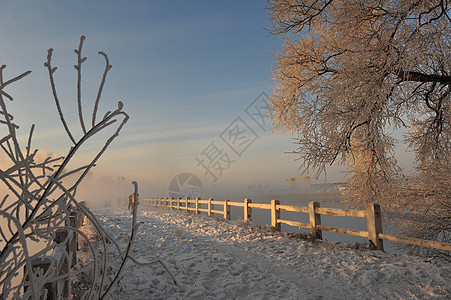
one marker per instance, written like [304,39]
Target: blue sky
[185,71]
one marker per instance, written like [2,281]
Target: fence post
[209,207]
[247,210]
[275,215]
[81,216]
[187,205]
[73,242]
[62,235]
[226,210]
[178,203]
[170,203]
[197,205]
[212,207]
[315,220]
[374,223]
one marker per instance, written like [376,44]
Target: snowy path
[213,259]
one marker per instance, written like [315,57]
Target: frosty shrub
[427,209]
[42,193]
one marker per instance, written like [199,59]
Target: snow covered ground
[214,259]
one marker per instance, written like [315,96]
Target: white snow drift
[214,259]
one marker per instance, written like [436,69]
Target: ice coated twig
[48,65]
[77,67]
[102,83]
[4,84]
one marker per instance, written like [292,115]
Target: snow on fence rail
[372,213]
[63,257]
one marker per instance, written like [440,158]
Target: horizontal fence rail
[372,213]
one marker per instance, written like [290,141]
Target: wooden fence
[62,258]
[372,213]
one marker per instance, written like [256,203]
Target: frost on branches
[351,72]
[40,198]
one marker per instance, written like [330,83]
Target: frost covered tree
[351,72]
